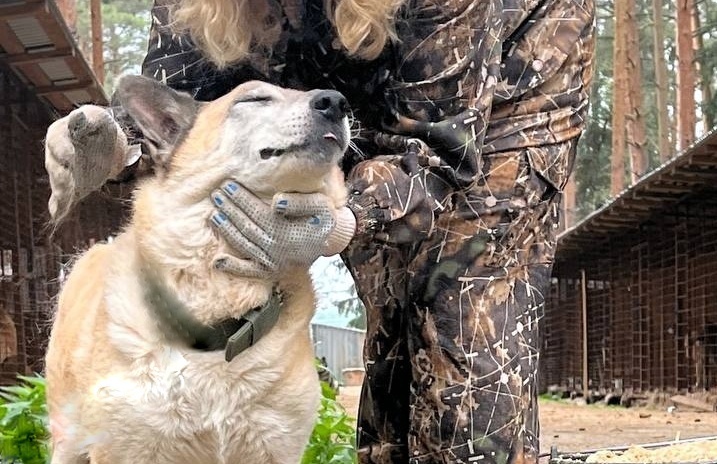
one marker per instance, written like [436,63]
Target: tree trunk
[704,72]
[98,62]
[685,75]
[619,100]
[635,123]
[663,122]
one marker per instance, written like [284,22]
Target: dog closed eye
[253,99]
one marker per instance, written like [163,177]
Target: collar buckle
[255,324]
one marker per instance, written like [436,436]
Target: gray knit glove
[291,232]
[82,151]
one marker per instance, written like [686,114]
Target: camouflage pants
[453,333]
[452,342]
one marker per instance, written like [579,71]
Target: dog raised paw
[82,151]
[97,129]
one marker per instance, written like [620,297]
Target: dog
[123,383]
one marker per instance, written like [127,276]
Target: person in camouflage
[467,124]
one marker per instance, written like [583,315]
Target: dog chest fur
[183,405]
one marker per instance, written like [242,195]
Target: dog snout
[330,104]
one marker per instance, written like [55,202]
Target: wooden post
[583,291]
[569,203]
[98,62]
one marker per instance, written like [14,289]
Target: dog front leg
[63,454]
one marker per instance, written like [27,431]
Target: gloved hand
[389,195]
[82,151]
[294,231]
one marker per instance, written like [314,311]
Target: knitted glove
[292,232]
[82,151]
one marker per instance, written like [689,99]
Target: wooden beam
[55,32]
[584,301]
[672,191]
[53,89]
[9,41]
[603,229]
[77,66]
[635,208]
[701,171]
[616,219]
[646,201]
[694,403]
[706,161]
[20,11]
[34,74]
[25,58]
[60,102]
[688,179]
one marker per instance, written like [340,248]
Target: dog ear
[163,115]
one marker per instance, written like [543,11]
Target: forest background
[652,96]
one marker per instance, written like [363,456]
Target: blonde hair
[226,30]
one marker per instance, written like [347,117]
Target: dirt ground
[574,427]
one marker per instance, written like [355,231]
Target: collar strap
[233,335]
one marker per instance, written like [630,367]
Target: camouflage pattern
[467,129]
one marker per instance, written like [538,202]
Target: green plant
[23,422]
[333,440]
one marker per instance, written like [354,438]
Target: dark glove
[389,195]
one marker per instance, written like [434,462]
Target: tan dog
[121,387]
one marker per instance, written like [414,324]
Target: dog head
[269,138]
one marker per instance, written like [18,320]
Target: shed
[633,300]
[340,347]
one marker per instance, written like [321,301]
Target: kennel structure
[341,347]
[633,299]
[42,76]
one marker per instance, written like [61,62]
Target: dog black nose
[331,104]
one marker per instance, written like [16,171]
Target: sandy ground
[573,427]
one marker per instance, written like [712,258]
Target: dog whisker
[356,150]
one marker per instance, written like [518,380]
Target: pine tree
[620,98]
[125,31]
[686,79]
[635,122]
[664,147]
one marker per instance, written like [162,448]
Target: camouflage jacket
[454,63]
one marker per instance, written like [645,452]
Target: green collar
[231,335]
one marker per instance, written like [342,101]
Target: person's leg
[478,284]
[476,299]
[463,312]
[383,412]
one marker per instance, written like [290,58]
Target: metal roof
[673,183]
[37,45]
